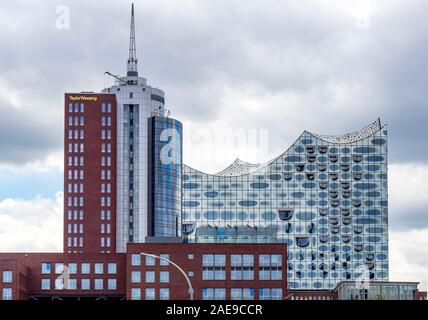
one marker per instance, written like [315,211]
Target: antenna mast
[132,60]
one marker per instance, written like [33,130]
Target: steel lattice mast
[132,60]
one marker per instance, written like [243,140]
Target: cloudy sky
[260,71]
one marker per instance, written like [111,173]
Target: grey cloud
[201,51]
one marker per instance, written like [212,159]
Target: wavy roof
[239,167]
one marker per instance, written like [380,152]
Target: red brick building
[90,173]
[223,271]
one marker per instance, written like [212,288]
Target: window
[72,284]
[59,268]
[72,268]
[82,121]
[135,294]
[164,277]
[213,294]
[46,284]
[135,259]
[86,268]
[164,294]
[46,268]
[86,284]
[213,267]
[150,294]
[70,107]
[150,261]
[99,284]
[242,294]
[135,276]
[150,276]
[109,107]
[242,266]
[7,294]
[99,268]
[270,293]
[112,268]
[111,285]
[190,274]
[7,276]
[59,284]
[103,107]
[164,262]
[270,267]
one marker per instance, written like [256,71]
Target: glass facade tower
[325,197]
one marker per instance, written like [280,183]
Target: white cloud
[408,184]
[31,225]
[409,256]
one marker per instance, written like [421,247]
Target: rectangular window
[164,277]
[108,121]
[99,268]
[59,284]
[82,121]
[70,107]
[135,259]
[136,294]
[82,107]
[72,268]
[213,267]
[111,284]
[150,277]
[76,107]
[72,284]
[85,284]
[112,268]
[213,294]
[242,294]
[7,294]
[46,284]
[7,276]
[86,268]
[99,284]
[59,268]
[135,276]
[164,293]
[150,261]
[150,294]
[190,256]
[109,107]
[103,107]
[163,262]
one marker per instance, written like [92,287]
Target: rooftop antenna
[132,60]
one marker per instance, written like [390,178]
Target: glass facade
[165,173]
[325,197]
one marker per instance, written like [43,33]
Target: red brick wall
[28,274]
[92,171]
[178,254]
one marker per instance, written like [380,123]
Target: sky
[245,78]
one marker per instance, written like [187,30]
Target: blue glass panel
[293,159]
[247,203]
[190,185]
[305,215]
[364,149]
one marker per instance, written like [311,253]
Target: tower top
[132,59]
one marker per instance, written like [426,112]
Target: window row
[105,215]
[105,188]
[105,201]
[105,147]
[75,188]
[85,268]
[75,228]
[105,134]
[105,174]
[149,260]
[106,161]
[103,107]
[78,161]
[75,174]
[105,242]
[241,294]
[150,294]
[76,147]
[77,107]
[71,284]
[150,277]
[76,134]
[72,242]
[106,121]
[77,121]
[75,214]
[75,201]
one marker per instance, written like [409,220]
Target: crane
[120,79]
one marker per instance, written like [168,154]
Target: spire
[132,60]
